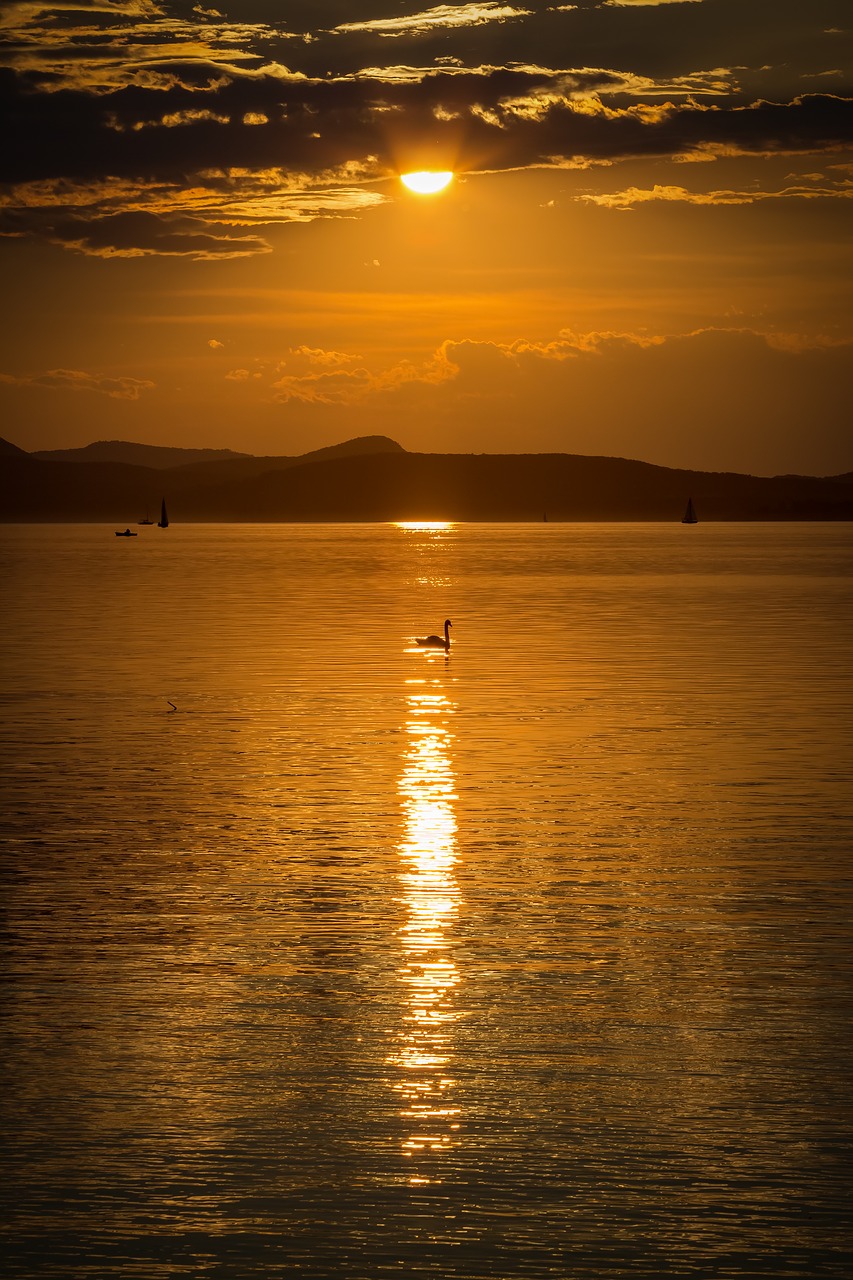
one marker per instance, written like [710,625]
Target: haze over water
[529,960]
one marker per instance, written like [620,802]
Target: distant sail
[163,522]
[690,516]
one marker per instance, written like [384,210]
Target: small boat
[163,522]
[147,520]
[126,533]
[690,516]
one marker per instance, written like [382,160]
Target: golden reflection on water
[424,526]
[427,971]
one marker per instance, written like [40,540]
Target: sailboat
[147,520]
[690,516]
[163,522]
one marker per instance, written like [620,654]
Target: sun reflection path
[427,856]
[424,526]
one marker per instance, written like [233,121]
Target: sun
[427,181]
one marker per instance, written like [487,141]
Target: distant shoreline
[374,480]
[415,521]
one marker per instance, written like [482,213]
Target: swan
[436,642]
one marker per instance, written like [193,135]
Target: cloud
[715,398]
[139,235]
[132,132]
[76,380]
[354,386]
[113,46]
[631,197]
[510,118]
[133,219]
[442,16]
[644,4]
[18,12]
[540,87]
[711,399]
[317,356]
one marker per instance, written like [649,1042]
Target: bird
[436,642]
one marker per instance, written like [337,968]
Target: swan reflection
[431,895]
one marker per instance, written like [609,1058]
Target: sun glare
[427,181]
[423,526]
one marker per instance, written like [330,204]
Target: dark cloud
[78,380]
[319,38]
[495,119]
[651,40]
[137,235]
[160,95]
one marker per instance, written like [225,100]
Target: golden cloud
[631,197]
[317,356]
[441,16]
[349,387]
[644,4]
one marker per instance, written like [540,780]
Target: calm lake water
[529,960]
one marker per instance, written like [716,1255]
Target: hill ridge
[357,482]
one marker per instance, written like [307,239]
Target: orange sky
[645,251]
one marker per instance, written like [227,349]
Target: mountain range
[374,478]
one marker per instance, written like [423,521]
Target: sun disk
[427,181]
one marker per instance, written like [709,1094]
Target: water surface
[528,960]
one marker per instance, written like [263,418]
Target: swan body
[436,642]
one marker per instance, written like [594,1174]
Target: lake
[530,959]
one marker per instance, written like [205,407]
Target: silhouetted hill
[345,483]
[522,487]
[9,450]
[165,457]
[138,455]
[31,489]
[352,448]
[209,474]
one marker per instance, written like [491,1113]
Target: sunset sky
[645,251]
